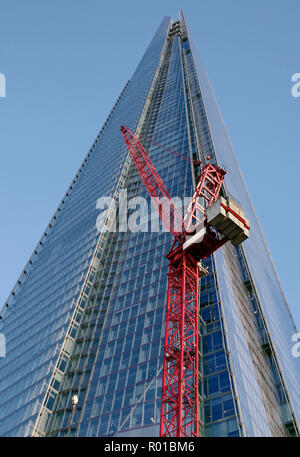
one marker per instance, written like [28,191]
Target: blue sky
[65,64]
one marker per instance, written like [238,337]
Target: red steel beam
[168,212]
[180,396]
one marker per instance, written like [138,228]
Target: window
[213,384]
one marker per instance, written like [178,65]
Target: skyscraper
[86,317]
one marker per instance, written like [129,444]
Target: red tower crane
[210,221]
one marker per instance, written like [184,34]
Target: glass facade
[87,314]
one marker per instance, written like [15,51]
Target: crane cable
[172,151]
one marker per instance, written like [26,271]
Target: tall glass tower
[86,317]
